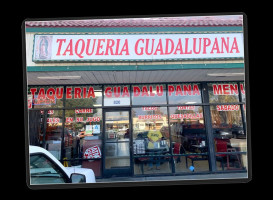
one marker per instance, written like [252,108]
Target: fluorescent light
[190,102]
[226,74]
[59,77]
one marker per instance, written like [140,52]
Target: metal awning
[134,77]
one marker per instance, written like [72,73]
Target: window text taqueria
[58,93]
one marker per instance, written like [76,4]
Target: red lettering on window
[136,91]
[77,93]
[68,93]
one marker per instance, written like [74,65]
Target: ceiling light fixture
[190,102]
[226,74]
[59,77]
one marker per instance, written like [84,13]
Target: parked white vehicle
[46,169]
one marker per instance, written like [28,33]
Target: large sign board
[137,47]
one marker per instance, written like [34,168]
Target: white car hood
[89,174]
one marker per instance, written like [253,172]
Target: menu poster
[96,129]
[88,130]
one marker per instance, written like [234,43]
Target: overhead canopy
[134,77]
[71,71]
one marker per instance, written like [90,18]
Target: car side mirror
[77,178]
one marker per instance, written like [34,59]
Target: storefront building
[139,97]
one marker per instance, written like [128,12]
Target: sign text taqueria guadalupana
[137,47]
[86,92]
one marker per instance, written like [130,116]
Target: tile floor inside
[199,166]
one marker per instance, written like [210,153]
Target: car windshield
[43,171]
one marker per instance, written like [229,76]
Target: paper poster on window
[88,129]
[44,100]
[96,129]
[141,125]
[92,152]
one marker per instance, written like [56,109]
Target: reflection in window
[151,139]
[81,125]
[150,119]
[83,96]
[229,136]
[43,171]
[45,97]
[184,93]
[223,92]
[118,95]
[54,132]
[148,94]
[117,126]
[226,116]
[189,137]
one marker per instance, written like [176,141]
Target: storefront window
[184,93]
[45,97]
[54,131]
[223,92]
[83,96]
[148,94]
[226,116]
[229,136]
[160,134]
[151,142]
[118,95]
[242,87]
[189,138]
[83,126]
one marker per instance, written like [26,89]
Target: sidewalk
[175,178]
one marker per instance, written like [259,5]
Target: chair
[221,146]
[155,158]
[176,150]
[237,158]
[142,161]
[194,158]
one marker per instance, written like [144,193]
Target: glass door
[117,136]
